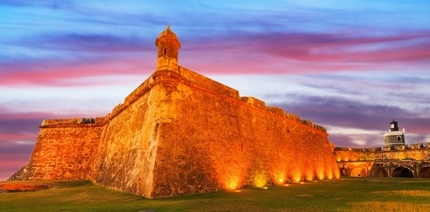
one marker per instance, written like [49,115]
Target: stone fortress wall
[182,133]
[65,149]
[388,161]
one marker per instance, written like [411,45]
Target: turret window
[164,51]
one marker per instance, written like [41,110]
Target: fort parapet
[182,133]
[398,152]
[387,161]
[87,122]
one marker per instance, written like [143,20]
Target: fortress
[395,159]
[182,133]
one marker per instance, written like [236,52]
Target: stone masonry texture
[182,133]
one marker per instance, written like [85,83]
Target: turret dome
[167,33]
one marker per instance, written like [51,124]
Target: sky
[350,66]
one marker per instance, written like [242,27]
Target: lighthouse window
[164,51]
[399,138]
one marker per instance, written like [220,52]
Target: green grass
[346,194]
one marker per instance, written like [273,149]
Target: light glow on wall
[260,180]
[232,183]
[296,176]
[279,178]
[320,173]
[336,172]
[231,173]
[329,174]
[309,175]
[231,179]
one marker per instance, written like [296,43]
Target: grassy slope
[347,194]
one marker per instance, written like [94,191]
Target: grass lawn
[346,194]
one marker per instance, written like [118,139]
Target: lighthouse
[394,136]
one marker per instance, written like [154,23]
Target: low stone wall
[384,161]
[400,152]
[64,149]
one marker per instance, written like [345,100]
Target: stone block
[293,117]
[276,110]
[399,147]
[416,146]
[254,102]
[306,122]
[387,148]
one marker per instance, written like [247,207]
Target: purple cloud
[344,113]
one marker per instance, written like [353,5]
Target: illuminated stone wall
[215,140]
[129,142]
[65,149]
[415,152]
[359,162]
[355,168]
[182,133]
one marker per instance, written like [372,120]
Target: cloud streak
[325,52]
[344,113]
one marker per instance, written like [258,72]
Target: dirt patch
[19,187]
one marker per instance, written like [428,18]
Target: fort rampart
[182,133]
[65,149]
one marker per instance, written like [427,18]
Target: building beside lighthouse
[394,159]
[394,136]
[182,133]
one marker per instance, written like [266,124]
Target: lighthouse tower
[393,136]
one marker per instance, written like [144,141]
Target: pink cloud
[344,47]
[269,53]
[69,74]
[293,53]
[12,136]
[8,114]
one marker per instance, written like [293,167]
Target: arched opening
[402,172]
[344,171]
[378,172]
[358,172]
[425,172]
